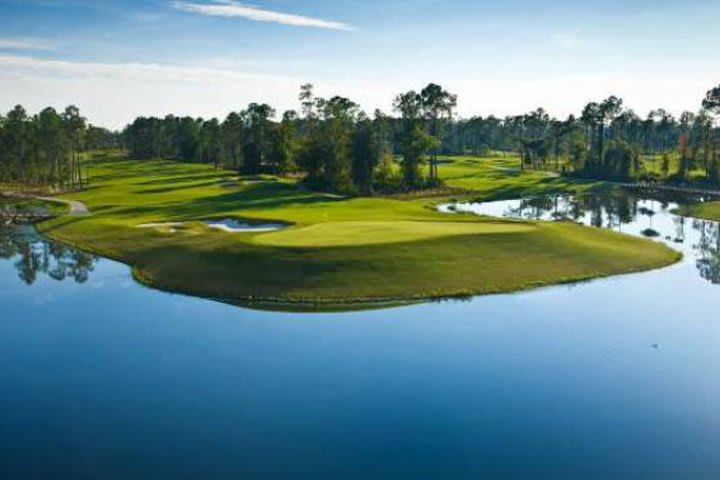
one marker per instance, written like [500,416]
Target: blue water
[612,379]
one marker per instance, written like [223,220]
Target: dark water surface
[613,379]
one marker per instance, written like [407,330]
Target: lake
[611,379]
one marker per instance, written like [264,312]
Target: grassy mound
[337,251]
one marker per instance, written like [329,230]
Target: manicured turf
[706,211]
[500,177]
[335,234]
[336,250]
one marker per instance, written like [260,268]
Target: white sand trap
[234,226]
[226,225]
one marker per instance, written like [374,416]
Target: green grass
[337,250]
[705,211]
[500,177]
[652,164]
[335,234]
[510,163]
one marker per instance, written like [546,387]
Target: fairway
[337,250]
[373,233]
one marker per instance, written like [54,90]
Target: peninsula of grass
[335,250]
[704,211]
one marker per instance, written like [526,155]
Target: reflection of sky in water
[614,378]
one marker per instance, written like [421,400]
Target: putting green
[337,234]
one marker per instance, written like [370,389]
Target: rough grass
[337,250]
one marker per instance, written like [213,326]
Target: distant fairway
[336,250]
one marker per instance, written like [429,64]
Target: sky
[117,59]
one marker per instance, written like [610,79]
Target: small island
[335,249]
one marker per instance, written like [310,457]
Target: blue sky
[115,59]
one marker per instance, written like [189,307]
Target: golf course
[331,250]
[316,240]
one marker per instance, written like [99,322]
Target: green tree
[365,155]
[684,145]
[18,136]
[597,117]
[75,126]
[188,139]
[257,127]
[339,115]
[437,104]
[232,140]
[285,144]
[211,142]
[711,103]
[51,149]
[414,141]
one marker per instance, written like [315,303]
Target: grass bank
[21,210]
[336,251]
[705,211]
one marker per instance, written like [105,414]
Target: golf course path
[76,208]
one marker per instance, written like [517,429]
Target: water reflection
[610,379]
[33,256]
[708,247]
[625,212]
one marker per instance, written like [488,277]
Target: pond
[614,378]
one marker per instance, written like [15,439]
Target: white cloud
[228,8]
[113,94]
[562,95]
[140,71]
[25,44]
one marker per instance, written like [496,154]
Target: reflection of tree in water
[679,229]
[34,256]
[708,248]
[534,208]
[609,211]
[615,210]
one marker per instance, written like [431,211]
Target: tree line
[43,150]
[331,144]
[335,146]
[605,141]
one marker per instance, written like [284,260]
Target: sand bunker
[226,225]
[230,225]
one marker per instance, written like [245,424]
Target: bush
[387,176]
